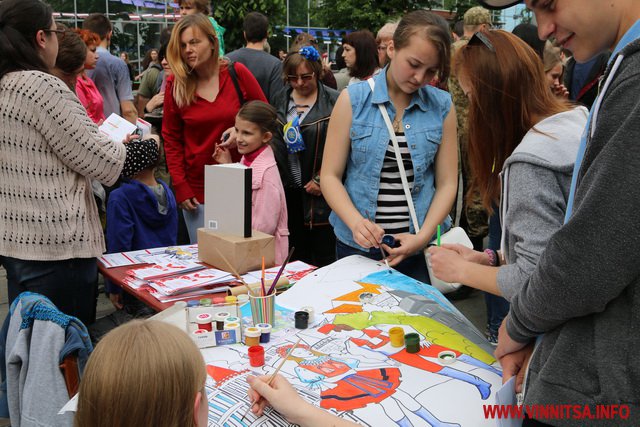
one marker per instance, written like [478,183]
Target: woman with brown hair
[200,106]
[304,105]
[362,180]
[361,55]
[520,132]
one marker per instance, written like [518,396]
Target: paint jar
[262,307]
[218,300]
[447,357]
[231,299]
[231,319]
[311,311]
[256,356]
[243,299]
[234,327]
[252,336]
[412,342]
[265,329]
[301,319]
[204,321]
[220,317]
[193,303]
[205,301]
[396,335]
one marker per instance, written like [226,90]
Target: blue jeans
[415,266]
[193,221]
[71,284]
[497,307]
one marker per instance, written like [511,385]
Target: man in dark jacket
[583,301]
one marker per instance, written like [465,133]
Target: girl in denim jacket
[360,178]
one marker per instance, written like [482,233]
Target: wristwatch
[316,179]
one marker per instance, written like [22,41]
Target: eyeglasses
[59,31]
[303,77]
[482,38]
[382,47]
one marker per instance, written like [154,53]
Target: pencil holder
[262,308]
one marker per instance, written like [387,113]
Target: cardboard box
[243,253]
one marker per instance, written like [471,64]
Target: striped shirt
[393,212]
[294,158]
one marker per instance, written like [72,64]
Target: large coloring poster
[346,364]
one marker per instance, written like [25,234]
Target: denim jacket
[423,120]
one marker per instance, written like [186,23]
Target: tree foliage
[373,14]
[230,14]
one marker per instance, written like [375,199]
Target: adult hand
[313,188]
[516,363]
[447,264]
[116,300]
[408,244]
[367,234]
[190,204]
[468,254]
[230,140]
[155,102]
[560,91]
[506,345]
[280,395]
[221,155]
[326,64]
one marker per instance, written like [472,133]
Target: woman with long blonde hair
[202,99]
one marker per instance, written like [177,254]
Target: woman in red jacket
[200,106]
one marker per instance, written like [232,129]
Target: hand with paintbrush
[281,396]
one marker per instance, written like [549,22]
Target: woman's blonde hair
[143,373]
[185,80]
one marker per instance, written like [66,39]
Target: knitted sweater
[49,148]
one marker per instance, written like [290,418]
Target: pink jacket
[268,204]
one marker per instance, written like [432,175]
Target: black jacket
[589,91]
[314,132]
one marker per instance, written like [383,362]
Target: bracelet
[493,257]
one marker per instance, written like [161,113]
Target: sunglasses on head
[481,38]
[304,77]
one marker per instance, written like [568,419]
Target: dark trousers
[414,266]
[497,307]
[71,284]
[314,245]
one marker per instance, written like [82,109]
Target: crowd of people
[538,125]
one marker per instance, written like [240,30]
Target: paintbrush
[286,261]
[233,270]
[273,376]
[262,281]
[384,257]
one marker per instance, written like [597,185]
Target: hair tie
[310,53]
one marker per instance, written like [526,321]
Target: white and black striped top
[393,212]
[294,158]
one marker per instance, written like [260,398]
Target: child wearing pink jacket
[254,129]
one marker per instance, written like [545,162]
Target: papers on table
[150,256]
[174,273]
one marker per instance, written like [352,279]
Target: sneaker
[492,338]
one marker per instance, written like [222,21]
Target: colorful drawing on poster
[347,365]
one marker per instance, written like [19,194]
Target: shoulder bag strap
[234,79]
[403,173]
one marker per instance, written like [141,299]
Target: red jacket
[191,133]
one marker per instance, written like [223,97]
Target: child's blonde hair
[143,373]
[185,80]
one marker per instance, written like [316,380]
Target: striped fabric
[294,159]
[393,212]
